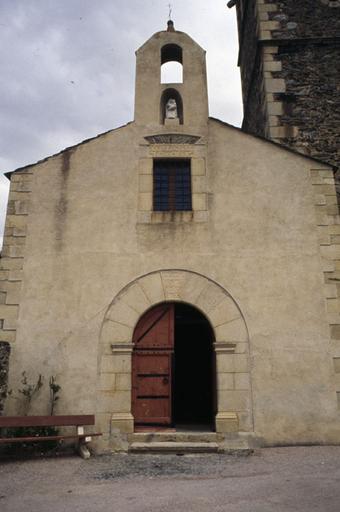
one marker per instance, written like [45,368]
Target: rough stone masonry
[4,362]
[291,75]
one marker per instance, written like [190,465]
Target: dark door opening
[173,369]
[193,369]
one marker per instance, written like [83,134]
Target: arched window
[166,96]
[171,64]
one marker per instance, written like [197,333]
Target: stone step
[173,447]
[180,437]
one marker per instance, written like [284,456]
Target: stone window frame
[199,190]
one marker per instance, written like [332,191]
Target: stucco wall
[271,258]
[86,241]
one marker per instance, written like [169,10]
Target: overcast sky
[68,69]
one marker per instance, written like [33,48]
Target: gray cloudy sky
[68,68]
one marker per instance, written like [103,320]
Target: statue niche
[171,107]
[171,111]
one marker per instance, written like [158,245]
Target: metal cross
[170,10]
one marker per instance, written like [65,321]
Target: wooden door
[152,367]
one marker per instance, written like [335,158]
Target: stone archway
[234,404]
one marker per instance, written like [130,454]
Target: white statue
[171,109]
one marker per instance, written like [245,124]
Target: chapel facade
[174,275]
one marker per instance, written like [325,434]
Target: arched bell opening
[171,53]
[171,94]
[171,64]
[173,369]
[171,73]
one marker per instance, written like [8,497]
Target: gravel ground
[272,480]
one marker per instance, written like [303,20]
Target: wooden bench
[51,421]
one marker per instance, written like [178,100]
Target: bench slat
[45,438]
[46,421]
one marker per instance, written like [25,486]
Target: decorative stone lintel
[124,422]
[171,150]
[122,348]
[172,138]
[225,347]
[226,422]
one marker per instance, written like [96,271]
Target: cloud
[68,66]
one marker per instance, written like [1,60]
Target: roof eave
[85,141]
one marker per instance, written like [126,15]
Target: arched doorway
[230,347]
[173,378]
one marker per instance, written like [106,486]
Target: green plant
[29,391]
[28,447]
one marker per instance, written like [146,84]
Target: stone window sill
[175,217]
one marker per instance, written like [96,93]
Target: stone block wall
[328,223]
[11,265]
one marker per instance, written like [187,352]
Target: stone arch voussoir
[175,285]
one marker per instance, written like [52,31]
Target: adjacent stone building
[177,275]
[290,67]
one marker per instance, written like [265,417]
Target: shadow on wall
[4,191]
